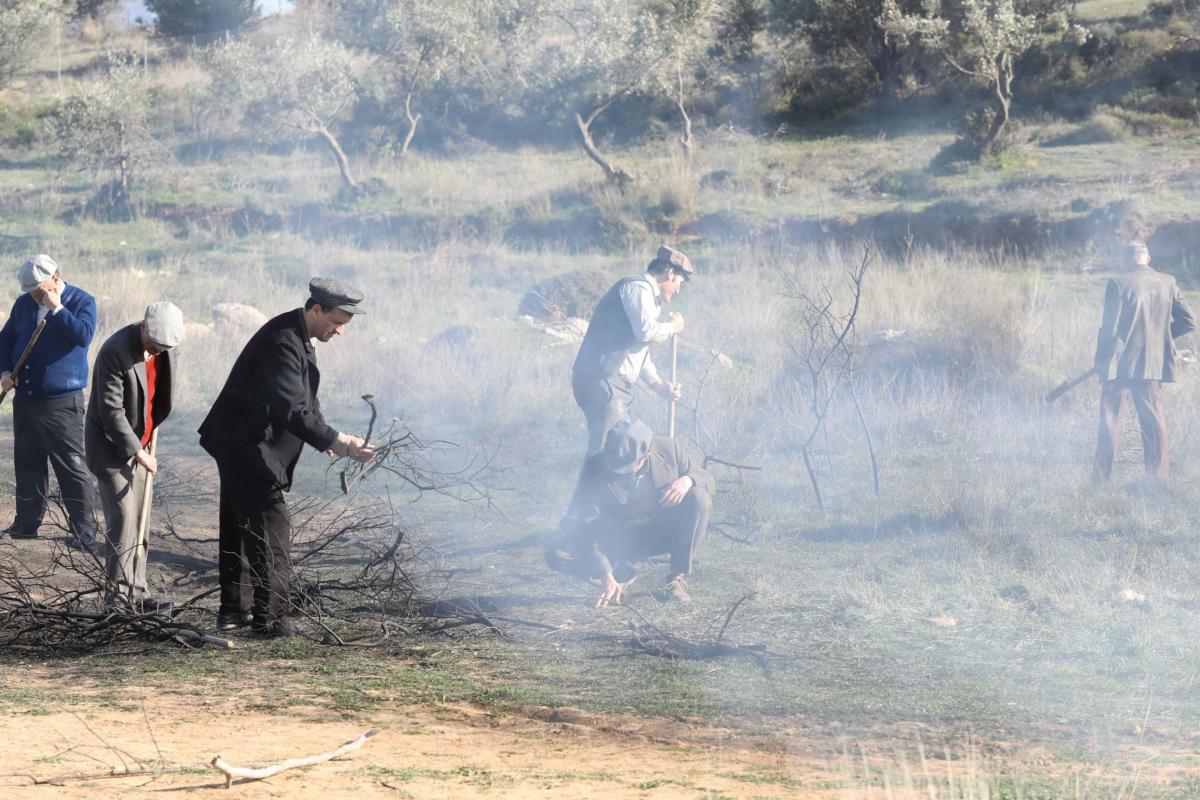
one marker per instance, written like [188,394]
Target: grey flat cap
[164,324]
[676,261]
[625,446]
[332,293]
[36,271]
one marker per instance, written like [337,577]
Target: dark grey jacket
[116,414]
[268,408]
[1144,313]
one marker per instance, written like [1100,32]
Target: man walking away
[256,429]
[639,497]
[48,404]
[1135,354]
[614,352]
[131,397]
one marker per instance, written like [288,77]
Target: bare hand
[7,381]
[51,298]
[675,492]
[676,320]
[668,390]
[146,460]
[360,450]
[612,591]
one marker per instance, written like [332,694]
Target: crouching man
[640,496]
[131,397]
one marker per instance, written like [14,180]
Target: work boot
[84,542]
[231,620]
[281,628]
[20,530]
[676,589]
[155,605]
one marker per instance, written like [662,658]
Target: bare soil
[446,751]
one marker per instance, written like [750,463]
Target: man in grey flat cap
[1144,313]
[48,405]
[131,397]
[640,496]
[256,429]
[614,352]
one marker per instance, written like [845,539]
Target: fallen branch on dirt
[243,773]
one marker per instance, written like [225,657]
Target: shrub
[1102,128]
[201,18]
[572,294]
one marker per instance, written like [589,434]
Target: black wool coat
[268,408]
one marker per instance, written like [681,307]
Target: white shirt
[640,299]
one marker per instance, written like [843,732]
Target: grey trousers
[675,531]
[605,402]
[121,498]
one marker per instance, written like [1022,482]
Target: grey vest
[609,336]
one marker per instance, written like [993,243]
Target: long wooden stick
[231,772]
[674,367]
[144,520]
[16,373]
[1070,384]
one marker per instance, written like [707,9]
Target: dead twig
[232,772]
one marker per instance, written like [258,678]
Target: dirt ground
[450,751]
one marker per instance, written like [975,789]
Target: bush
[201,18]
[1102,128]
[572,294]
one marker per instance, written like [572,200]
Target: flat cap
[675,260]
[36,271]
[625,446]
[332,293]
[164,324]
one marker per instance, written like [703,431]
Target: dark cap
[625,446]
[332,293]
[670,257]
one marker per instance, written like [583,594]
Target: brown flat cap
[676,260]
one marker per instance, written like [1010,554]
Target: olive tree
[421,43]
[981,40]
[106,126]
[25,26]
[850,31]
[291,88]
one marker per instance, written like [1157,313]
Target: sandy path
[423,753]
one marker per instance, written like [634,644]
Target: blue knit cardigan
[58,363]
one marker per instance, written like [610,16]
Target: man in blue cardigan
[48,404]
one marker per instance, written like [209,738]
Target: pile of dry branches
[357,575]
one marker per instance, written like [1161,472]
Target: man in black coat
[256,429]
[640,496]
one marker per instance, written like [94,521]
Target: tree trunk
[339,155]
[685,141]
[612,173]
[1003,89]
[413,121]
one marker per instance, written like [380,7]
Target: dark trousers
[1148,402]
[605,402]
[676,531]
[254,561]
[50,429]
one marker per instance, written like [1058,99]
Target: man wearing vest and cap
[1144,314]
[48,406]
[614,352]
[256,429]
[131,397]
[639,497]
